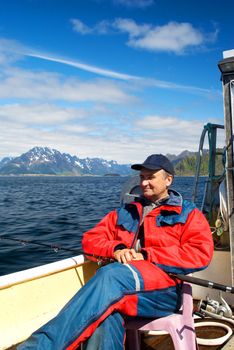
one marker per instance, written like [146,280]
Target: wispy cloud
[190,89]
[137,80]
[53,85]
[11,51]
[134,3]
[83,66]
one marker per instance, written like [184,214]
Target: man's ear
[169,180]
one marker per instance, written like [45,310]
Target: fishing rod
[203,283]
[186,278]
[190,279]
[54,247]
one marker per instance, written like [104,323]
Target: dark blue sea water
[55,211]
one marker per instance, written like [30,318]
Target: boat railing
[212,178]
[212,203]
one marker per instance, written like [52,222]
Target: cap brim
[144,166]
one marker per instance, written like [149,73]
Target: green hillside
[187,166]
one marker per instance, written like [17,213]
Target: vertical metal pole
[227,69]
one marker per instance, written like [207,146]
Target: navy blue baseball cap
[156,162]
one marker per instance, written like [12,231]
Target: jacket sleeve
[192,253]
[100,240]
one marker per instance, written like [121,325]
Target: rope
[223,204]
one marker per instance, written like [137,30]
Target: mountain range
[48,161]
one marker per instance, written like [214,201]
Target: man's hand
[126,255]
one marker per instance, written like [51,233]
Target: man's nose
[144,182]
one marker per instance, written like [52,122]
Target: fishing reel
[210,306]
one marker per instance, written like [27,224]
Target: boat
[32,297]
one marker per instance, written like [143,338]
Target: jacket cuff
[119,246]
[144,253]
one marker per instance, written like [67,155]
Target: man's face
[154,183]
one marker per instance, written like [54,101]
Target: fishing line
[56,248]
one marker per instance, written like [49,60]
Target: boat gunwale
[15,278]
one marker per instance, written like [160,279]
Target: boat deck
[229,345]
[164,342]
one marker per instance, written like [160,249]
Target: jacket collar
[173,203]
[172,211]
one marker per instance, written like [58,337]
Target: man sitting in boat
[158,234]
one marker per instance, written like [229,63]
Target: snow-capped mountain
[44,160]
[5,160]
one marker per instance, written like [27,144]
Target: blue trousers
[113,326]
[116,290]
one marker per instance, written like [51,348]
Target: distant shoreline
[59,175]
[83,175]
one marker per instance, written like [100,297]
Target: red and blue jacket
[177,236]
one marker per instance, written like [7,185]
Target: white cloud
[75,129]
[173,37]
[19,83]
[9,51]
[42,114]
[129,26]
[102,27]
[171,133]
[80,27]
[155,123]
[124,149]
[150,134]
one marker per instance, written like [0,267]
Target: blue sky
[114,79]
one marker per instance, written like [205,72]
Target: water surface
[55,211]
